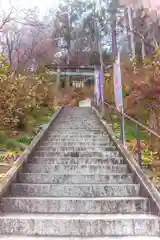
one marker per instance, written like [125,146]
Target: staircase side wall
[147,189]
[11,175]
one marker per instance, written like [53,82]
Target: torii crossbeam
[71,70]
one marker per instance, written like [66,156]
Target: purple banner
[98,87]
[118,85]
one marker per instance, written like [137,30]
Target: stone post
[58,79]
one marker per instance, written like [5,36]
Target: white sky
[43,5]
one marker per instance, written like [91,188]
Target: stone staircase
[76,186]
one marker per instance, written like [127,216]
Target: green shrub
[3,139]
[24,139]
[11,145]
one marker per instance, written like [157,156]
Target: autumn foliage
[22,97]
[141,94]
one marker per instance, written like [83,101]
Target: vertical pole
[58,79]
[131,32]
[122,110]
[101,60]
[102,76]
[114,36]
[116,56]
[123,129]
[127,31]
[57,84]
[143,51]
[69,45]
[139,146]
[113,10]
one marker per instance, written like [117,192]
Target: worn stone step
[83,179]
[76,205]
[78,134]
[4,237]
[79,225]
[76,139]
[92,122]
[86,122]
[79,138]
[73,128]
[81,124]
[75,190]
[79,141]
[76,144]
[76,128]
[80,160]
[83,121]
[78,154]
[89,122]
[76,168]
[75,148]
[77,131]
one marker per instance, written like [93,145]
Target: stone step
[76,205]
[78,154]
[76,134]
[74,148]
[75,190]
[67,135]
[77,144]
[4,237]
[79,141]
[76,128]
[74,124]
[89,122]
[77,125]
[81,161]
[79,138]
[76,169]
[79,132]
[85,122]
[73,128]
[68,179]
[80,225]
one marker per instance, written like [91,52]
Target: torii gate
[71,70]
[86,71]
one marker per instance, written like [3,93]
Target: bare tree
[22,43]
[7,15]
